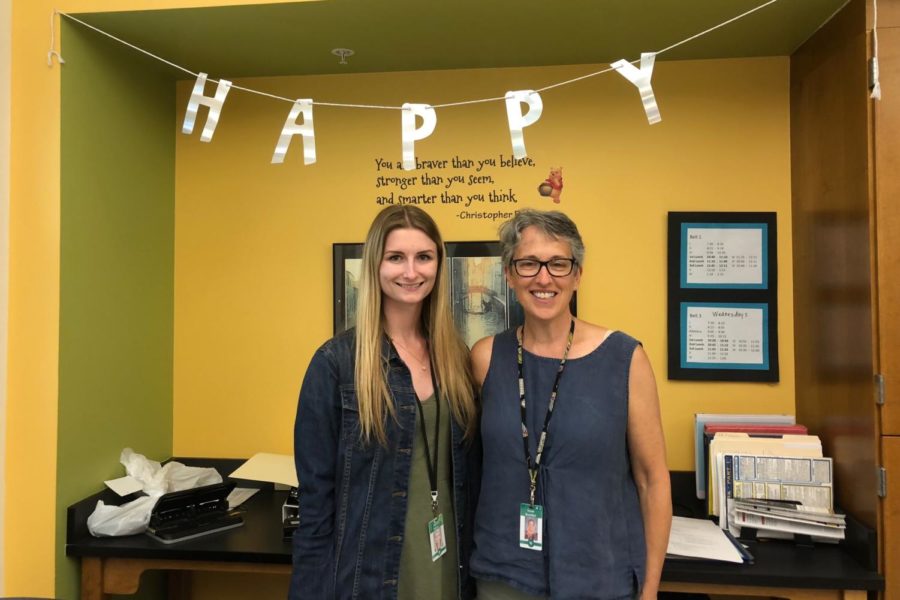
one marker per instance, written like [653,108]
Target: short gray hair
[552,222]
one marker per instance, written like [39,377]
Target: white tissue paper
[156,480]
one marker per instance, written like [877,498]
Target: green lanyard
[432,463]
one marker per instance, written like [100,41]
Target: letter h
[215,107]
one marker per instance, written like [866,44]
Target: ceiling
[404,35]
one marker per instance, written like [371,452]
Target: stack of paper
[808,446]
[788,517]
[778,495]
[700,539]
[701,461]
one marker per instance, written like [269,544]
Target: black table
[114,565]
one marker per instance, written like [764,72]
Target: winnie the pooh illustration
[553,185]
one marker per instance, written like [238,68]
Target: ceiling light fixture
[343,53]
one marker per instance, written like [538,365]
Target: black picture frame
[346,264]
[480,300]
[722,301]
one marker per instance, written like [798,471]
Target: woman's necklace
[423,364]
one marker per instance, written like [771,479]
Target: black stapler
[188,514]
[290,514]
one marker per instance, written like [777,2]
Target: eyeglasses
[557,267]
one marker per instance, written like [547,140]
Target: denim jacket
[353,496]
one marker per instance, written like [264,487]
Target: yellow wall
[253,296]
[253,240]
[5,33]
[33,335]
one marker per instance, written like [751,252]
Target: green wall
[116,268]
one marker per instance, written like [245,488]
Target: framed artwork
[347,266]
[481,302]
[722,296]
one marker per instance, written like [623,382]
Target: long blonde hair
[449,354]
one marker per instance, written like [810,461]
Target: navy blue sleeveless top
[593,534]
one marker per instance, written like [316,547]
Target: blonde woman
[385,428]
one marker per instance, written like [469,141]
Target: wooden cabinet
[890,452]
[886,250]
[845,161]
[886,142]
[833,308]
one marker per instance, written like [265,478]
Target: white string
[666,49]
[444,105]
[132,46]
[53,51]
[711,29]
[876,83]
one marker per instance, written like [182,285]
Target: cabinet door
[887,223]
[890,534]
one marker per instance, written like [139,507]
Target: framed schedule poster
[722,297]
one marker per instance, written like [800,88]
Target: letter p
[518,121]
[411,134]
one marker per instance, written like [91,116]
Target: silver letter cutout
[411,134]
[641,78]
[517,121]
[291,128]
[214,104]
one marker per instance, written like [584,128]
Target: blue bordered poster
[720,335]
[723,296]
[724,255]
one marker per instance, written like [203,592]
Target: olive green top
[419,576]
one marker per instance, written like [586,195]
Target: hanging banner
[214,104]
[411,134]
[292,128]
[641,79]
[518,121]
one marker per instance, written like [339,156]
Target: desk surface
[777,563]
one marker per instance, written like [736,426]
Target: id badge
[436,537]
[531,526]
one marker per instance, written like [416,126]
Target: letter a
[411,134]
[641,78]
[292,128]
[517,121]
[215,107]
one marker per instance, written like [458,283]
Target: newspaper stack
[779,496]
[784,519]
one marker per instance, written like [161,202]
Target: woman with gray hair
[572,439]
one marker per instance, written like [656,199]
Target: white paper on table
[700,538]
[124,485]
[240,495]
